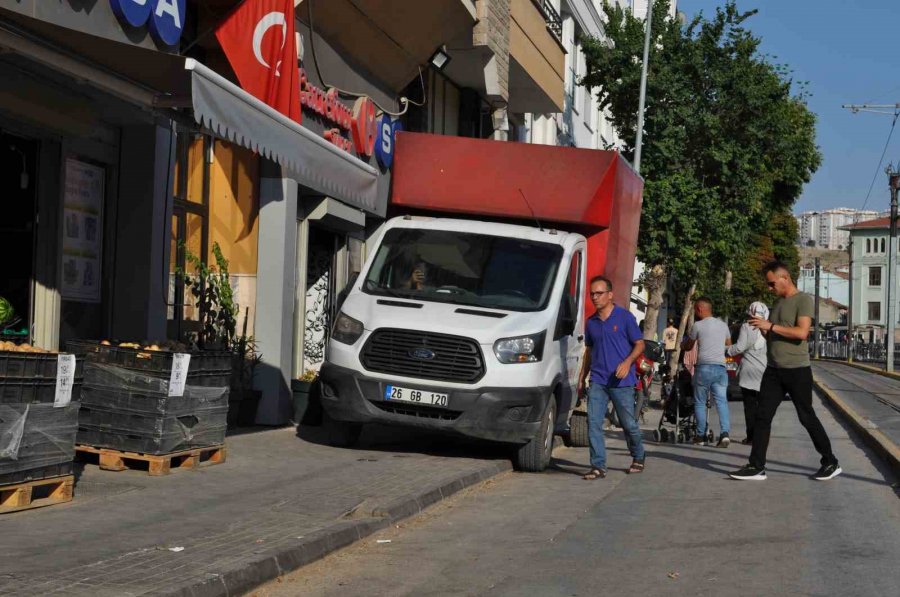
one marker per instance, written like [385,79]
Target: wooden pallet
[35,494]
[157,464]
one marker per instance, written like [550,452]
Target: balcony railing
[554,21]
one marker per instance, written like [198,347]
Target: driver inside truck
[418,277]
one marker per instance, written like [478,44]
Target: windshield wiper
[388,291]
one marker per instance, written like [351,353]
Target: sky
[849,52]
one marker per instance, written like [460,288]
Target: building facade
[826,229]
[869,279]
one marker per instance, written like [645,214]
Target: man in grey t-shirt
[712,336]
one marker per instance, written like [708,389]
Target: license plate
[415,396]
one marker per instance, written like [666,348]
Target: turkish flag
[258,39]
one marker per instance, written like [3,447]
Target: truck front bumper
[510,415]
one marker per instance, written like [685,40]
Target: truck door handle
[581,338]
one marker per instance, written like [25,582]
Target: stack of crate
[38,425]
[128,404]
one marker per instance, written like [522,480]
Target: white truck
[474,325]
[459,326]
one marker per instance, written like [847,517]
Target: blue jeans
[711,378]
[623,402]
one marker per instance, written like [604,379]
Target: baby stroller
[677,423]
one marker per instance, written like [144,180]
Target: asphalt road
[680,528]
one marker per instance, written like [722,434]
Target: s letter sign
[387,136]
[164,18]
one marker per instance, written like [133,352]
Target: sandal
[636,467]
[595,473]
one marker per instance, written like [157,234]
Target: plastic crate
[32,364]
[33,391]
[153,362]
[36,474]
[135,401]
[171,436]
[48,436]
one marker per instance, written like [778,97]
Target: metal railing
[873,353]
[554,21]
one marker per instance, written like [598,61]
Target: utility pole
[643,96]
[894,183]
[816,316]
[851,338]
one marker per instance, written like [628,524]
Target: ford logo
[421,354]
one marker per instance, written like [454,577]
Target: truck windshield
[467,269]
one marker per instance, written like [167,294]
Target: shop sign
[82,231]
[164,18]
[358,123]
[387,135]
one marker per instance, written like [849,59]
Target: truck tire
[612,415]
[534,456]
[578,430]
[340,434]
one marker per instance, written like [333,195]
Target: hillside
[830,259]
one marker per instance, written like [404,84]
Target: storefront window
[189,229]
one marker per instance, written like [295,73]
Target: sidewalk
[869,400]
[278,502]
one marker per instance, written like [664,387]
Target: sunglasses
[601,293]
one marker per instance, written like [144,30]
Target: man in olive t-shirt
[787,372]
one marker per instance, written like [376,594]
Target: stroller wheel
[657,435]
[710,437]
[680,438]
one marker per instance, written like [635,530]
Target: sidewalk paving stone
[278,502]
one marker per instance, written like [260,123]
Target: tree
[728,146]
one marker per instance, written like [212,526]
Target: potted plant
[243,401]
[302,388]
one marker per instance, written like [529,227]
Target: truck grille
[455,359]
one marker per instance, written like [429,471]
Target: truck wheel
[534,456]
[340,434]
[612,415]
[578,430]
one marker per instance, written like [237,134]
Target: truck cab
[472,328]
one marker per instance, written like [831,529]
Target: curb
[861,367]
[878,441]
[252,573]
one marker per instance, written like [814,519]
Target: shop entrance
[322,278]
[18,175]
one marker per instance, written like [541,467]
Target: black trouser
[751,402]
[775,384]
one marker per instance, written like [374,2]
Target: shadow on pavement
[401,440]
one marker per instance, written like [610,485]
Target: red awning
[589,191]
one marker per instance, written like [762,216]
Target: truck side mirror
[565,322]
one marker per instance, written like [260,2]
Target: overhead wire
[881,160]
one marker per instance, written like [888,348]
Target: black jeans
[775,384]
[751,402]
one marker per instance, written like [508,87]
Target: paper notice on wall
[82,229]
[180,363]
[65,379]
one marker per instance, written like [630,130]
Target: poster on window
[82,231]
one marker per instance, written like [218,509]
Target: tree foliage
[728,144]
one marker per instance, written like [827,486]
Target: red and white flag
[258,39]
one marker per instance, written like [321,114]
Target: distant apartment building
[823,229]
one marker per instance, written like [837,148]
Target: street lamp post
[643,94]
[894,178]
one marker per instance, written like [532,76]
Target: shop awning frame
[233,114]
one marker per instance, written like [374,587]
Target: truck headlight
[522,349]
[346,329]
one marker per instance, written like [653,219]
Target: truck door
[570,335]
